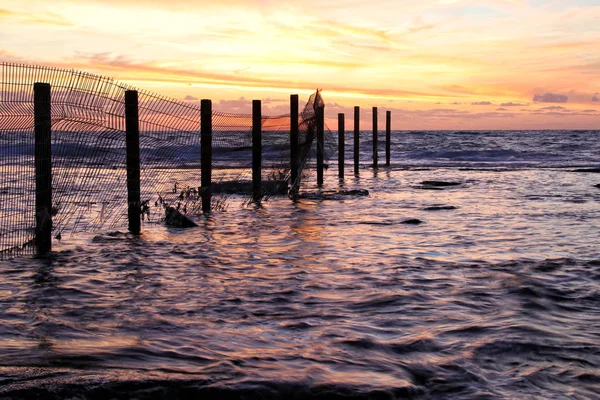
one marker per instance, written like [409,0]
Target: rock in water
[598,186]
[354,192]
[176,219]
[340,195]
[412,221]
[440,183]
[589,170]
[439,208]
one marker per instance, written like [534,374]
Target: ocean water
[496,294]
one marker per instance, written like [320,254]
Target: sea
[470,271]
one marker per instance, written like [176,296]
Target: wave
[485,155]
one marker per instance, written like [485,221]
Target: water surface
[498,297]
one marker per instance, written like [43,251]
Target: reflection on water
[497,298]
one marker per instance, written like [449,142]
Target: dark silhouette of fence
[88,186]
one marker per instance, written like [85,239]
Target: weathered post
[294,130]
[356,139]
[256,149]
[375,132]
[43,167]
[206,152]
[132,138]
[341,145]
[388,137]
[320,114]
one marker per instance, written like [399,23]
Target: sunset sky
[437,64]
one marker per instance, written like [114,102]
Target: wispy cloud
[48,18]
[511,104]
[553,108]
[550,98]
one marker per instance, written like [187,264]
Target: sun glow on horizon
[486,62]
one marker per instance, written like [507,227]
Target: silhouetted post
[375,131]
[206,152]
[356,139]
[341,145]
[320,114]
[294,129]
[388,137]
[43,167]
[132,138]
[256,149]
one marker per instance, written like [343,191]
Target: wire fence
[89,182]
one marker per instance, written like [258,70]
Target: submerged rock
[412,221]
[439,208]
[176,219]
[354,192]
[339,195]
[440,183]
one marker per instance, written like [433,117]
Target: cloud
[421,27]
[127,68]
[553,108]
[481,103]
[239,106]
[595,99]
[511,104]
[550,98]
[557,111]
[47,18]
[190,98]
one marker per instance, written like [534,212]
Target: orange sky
[437,64]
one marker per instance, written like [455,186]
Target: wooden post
[388,137]
[294,130]
[132,137]
[43,167]
[375,131]
[341,145]
[320,114]
[256,149]
[206,152]
[356,139]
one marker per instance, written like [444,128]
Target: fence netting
[89,180]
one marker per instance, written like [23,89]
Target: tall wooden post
[256,149]
[43,167]
[341,144]
[206,152]
[320,114]
[388,137]
[132,137]
[294,150]
[356,139]
[375,132]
